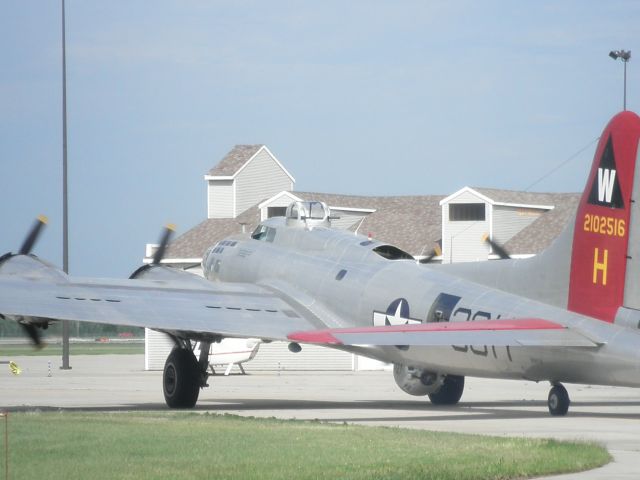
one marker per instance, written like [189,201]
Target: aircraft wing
[230,310]
[529,332]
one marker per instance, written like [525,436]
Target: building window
[466,212]
[276,211]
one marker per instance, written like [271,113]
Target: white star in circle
[397,318]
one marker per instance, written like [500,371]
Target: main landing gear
[184,375]
[450,391]
[558,401]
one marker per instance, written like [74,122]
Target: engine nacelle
[169,275]
[31,267]
[417,381]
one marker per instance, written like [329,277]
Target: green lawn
[188,445]
[84,348]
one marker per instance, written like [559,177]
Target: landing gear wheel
[450,391]
[558,401]
[181,379]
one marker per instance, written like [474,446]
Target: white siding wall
[466,197]
[461,240]
[346,221]
[282,201]
[347,218]
[276,356]
[507,221]
[157,347]
[271,356]
[220,198]
[260,179]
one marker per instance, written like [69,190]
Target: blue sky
[361,97]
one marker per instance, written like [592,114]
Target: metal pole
[624,102]
[6,445]
[65,216]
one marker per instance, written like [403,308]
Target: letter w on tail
[606,181]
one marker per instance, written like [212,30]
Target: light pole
[623,55]
[65,216]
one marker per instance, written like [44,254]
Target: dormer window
[276,212]
[466,212]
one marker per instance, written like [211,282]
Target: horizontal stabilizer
[531,332]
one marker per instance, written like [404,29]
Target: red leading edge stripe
[328,336]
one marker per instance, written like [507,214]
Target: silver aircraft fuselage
[339,277]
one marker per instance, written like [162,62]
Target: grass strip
[72,445]
[88,348]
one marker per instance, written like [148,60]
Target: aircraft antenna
[561,164]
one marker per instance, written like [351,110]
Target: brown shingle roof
[413,223]
[234,160]
[521,198]
[540,233]
[193,243]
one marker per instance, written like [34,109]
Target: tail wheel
[558,401]
[450,391]
[181,379]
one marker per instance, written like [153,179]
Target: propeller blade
[430,256]
[435,252]
[31,239]
[497,248]
[164,242]
[33,334]
[193,265]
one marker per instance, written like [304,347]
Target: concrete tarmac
[608,415]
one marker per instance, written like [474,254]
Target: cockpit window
[307,211]
[264,233]
[392,253]
[316,211]
[271,234]
[259,233]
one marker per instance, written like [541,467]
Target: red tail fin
[601,255]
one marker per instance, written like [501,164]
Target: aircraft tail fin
[605,252]
[593,266]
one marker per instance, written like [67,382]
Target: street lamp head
[625,55]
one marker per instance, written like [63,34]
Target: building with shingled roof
[250,184]
[245,176]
